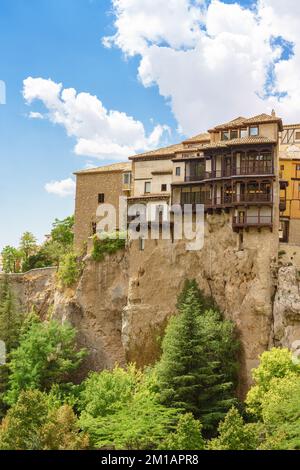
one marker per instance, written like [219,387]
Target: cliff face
[122,305]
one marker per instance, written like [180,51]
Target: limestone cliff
[121,305]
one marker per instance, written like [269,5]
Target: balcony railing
[253,221]
[234,171]
[226,200]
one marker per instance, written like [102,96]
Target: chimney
[273,113]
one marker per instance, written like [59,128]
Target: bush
[47,354]
[107,244]
[69,270]
[33,423]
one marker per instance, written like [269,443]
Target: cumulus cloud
[34,115]
[61,188]
[213,61]
[101,133]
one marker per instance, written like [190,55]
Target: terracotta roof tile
[240,122]
[242,141]
[203,137]
[164,151]
[114,167]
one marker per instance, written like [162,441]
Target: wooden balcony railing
[226,200]
[234,171]
[252,221]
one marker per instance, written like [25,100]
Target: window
[178,171]
[225,135]
[163,188]
[147,187]
[254,131]
[297,135]
[234,135]
[94,228]
[297,167]
[141,244]
[244,132]
[101,198]
[281,167]
[127,178]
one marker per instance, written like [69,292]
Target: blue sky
[61,40]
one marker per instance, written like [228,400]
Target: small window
[244,133]
[234,135]
[163,188]
[94,228]
[178,171]
[299,188]
[141,244]
[101,198]
[297,135]
[127,178]
[254,131]
[297,167]
[147,187]
[225,135]
[281,167]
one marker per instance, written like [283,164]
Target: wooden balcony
[256,221]
[255,170]
[228,200]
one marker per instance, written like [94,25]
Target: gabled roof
[114,167]
[162,152]
[241,141]
[199,138]
[244,122]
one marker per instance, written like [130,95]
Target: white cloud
[33,115]
[101,133]
[61,188]
[212,60]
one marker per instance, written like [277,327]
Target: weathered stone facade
[107,180]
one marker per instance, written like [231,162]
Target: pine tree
[10,317]
[190,373]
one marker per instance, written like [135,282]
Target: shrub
[107,244]
[69,270]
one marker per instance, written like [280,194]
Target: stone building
[96,186]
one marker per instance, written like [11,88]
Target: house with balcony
[236,172]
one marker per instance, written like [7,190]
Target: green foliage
[34,424]
[191,374]
[109,391]
[108,244]
[28,245]
[205,302]
[10,317]
[187,435]
[276,363]
[47,354]
[69,270]
[281,414]
[62,232]
[234,434]
[11,259]
[121,411]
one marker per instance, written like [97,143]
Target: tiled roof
[242,141]
[230,125]
[126,166]
[149,196]
[291,126]
[203,137]
[162,152]
[240,122]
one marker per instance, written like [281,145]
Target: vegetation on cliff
[108,244]
[185,402]
[28,255]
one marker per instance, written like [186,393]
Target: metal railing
[252,220]
[234,171]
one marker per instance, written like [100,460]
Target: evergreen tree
[190,373]
[10,317]
[187,435]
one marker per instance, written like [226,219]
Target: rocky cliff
[121,305]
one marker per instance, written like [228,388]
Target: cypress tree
[190,373]
[10,317]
